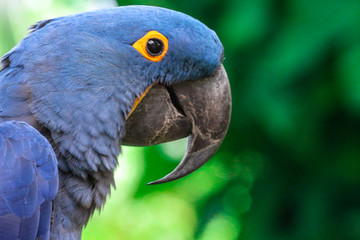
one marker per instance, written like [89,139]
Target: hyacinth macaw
[134,75]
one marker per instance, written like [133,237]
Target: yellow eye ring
[153,46]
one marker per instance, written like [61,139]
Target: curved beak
[198,109]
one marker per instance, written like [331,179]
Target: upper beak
[199,109]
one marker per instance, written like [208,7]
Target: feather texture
[28,182]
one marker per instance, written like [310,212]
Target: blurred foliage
[289,167]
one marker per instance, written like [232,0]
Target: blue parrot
[90,82]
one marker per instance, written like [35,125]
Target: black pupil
[154,47]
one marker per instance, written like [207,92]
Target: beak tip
[168,178]
[161,180]
[153,183]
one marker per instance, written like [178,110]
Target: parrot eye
[153,46]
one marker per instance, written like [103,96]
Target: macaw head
[84,77]
[192,97]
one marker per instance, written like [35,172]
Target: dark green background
[289,167]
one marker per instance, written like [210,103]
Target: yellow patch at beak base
[138,99]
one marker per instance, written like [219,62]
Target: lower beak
[198,109]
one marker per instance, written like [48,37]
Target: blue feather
[28,182]
[45,219]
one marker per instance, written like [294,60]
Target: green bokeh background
[289,167]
